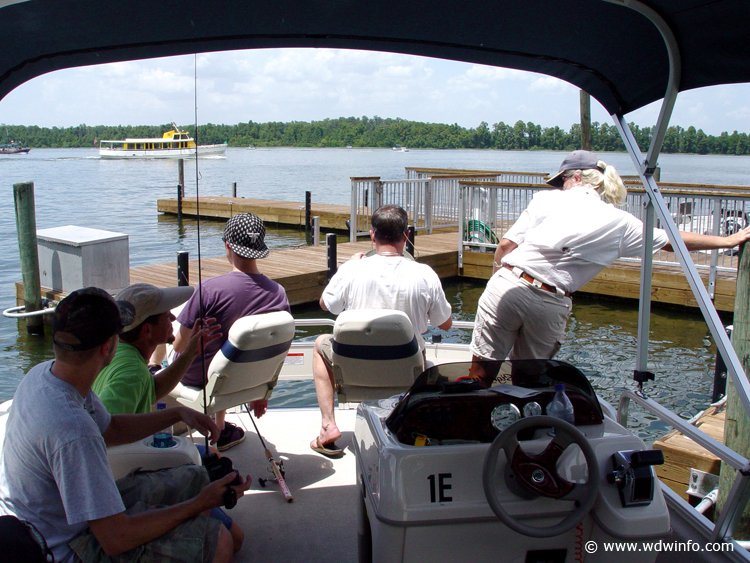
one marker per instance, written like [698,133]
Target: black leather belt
[536,283]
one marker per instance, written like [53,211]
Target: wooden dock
[303,273]
[332,217]
[681,454]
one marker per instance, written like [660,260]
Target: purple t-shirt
[227,298]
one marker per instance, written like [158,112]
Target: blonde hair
[608,182]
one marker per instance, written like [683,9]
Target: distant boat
[14,148]
[348,146]
[400,148]
[173,144]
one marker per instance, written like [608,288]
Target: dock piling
[331,254]
[23,196]
[234,189]
[410,240]
[316,230]
[183,268]
[308,205]
[179,202]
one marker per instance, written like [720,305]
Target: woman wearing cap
[561,241]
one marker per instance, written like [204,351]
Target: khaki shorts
[194,541]
[518,321]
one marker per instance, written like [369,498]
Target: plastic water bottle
[163,438]
[561,407]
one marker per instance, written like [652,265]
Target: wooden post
[585,121]
[315,230]
[234,189]
[183,268]
[737,425]
[308,206]
[331,254]
[410,240]
[179,202]
[23,196]
[180,187]
[181,173]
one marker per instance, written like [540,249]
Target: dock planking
[332,217]
[303,273]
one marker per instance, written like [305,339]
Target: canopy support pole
[645,167]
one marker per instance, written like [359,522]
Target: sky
[314,84]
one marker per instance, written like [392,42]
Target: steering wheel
[538,474]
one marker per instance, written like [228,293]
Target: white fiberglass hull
[203,151]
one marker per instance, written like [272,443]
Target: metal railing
[489,209]
[429,195]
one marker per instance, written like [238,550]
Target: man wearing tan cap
[126,386]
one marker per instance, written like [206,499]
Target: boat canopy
[613,49]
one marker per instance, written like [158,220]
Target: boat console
[468,467]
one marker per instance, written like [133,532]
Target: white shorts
[517,320]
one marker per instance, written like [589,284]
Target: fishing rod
[277,467]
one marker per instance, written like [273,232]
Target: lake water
[75,187]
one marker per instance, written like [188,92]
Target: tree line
[387,132]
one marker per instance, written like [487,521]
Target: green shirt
[126,386]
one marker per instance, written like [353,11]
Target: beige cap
[149,300]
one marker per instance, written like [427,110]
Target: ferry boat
[453,496]
[172,144]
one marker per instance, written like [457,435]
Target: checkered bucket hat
[245,234]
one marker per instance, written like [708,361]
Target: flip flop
[328,450]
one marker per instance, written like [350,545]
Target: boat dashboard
[474,401]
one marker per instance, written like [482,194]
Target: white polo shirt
[565,238]
[390,282]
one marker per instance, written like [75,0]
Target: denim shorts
[194,541]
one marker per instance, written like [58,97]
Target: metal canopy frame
[41,36]
[740,493]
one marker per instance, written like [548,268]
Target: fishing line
[198,233]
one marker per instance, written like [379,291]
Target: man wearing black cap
[243,291]
[54,471]
[560,242]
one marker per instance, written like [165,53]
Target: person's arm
[447,324]
[323,304]
[695,241]
[505,247]
[204,331]
[127,428]
[181,339]
[121,532]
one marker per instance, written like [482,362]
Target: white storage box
[73,257]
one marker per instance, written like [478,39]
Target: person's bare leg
[225,548]
[219,419]
[238,536]
[324,389]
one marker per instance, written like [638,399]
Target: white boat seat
[247,366]
[141,455]
[375,354]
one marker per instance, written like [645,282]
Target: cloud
[313,84]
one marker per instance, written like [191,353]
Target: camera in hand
[217,468]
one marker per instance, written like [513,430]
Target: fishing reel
[280,465]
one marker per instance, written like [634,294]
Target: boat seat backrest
[247,366]
[375,354]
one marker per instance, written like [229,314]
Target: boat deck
[319,526]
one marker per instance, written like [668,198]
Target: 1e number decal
[439,487]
